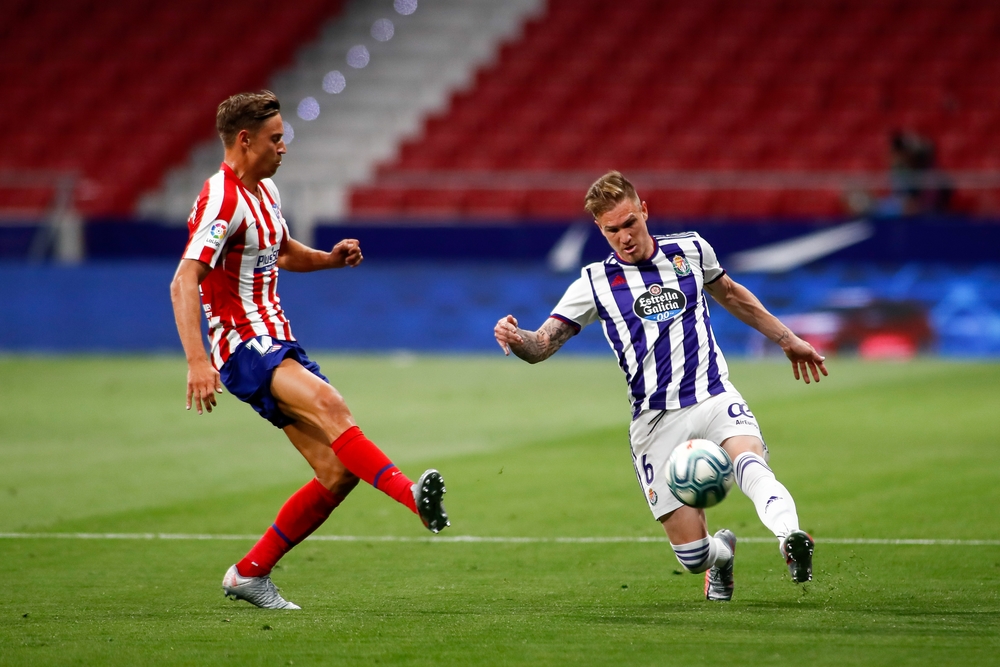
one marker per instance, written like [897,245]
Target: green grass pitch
[876,451]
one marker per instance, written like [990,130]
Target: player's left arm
[748,309]
[295,256]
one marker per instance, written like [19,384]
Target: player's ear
[645,211]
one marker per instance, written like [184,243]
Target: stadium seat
[821,89]
[78,66]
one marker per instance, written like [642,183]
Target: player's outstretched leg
[363,458]
[427,494]
[719,580]
[259,591]
[302,513]
[797,549]
[774,504]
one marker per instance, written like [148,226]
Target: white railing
[61,233]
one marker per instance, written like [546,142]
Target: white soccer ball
[699,473]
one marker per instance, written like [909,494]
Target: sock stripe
[694,556]
[282,535]
[380,472]
[695,550]
[745,463]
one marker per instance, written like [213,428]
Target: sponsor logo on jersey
[266,259]
[652,496]
[659,303]
[681,266]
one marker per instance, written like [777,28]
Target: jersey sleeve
[211,223]
[710,266]
[577,307]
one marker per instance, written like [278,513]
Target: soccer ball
[699,473]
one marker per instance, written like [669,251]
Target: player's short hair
[607,192]
[245,111]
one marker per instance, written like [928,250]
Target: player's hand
[506,333]
[805,359]
[203,382]
[346,253]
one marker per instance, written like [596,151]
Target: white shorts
[655,433]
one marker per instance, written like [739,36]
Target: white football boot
[259,591]
[719,581]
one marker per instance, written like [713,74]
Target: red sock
[363,458]
[301,514]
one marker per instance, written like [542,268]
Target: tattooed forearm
[782,338]
[542,344]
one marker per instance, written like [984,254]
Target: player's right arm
[532,346]
[202,380]
[575,310]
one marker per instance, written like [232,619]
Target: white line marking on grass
[474,539]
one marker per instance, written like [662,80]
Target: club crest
[681,266]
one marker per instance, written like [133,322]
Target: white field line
[480,539]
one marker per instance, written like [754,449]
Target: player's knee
[694,557]
[740,444]
[331,404]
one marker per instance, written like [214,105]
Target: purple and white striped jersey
[656,320]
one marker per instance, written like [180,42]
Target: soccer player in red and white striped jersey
[238,243]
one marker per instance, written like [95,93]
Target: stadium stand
[116,92]
[477,108]
[432,52]
[659,87]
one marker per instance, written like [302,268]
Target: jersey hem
[568,321]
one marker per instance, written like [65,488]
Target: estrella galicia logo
[659,304]
[681,266]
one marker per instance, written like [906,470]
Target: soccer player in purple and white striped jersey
[649,296]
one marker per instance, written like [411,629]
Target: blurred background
[843,156]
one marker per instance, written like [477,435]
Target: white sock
[702,554]
[774,504]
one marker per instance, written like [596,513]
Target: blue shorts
[247,374]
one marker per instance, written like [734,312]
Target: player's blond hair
[607,192]
[244,111]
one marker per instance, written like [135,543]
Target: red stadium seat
[105,66]
[494,203]
[722,85]
[377,202]
[433,203]
[553,204]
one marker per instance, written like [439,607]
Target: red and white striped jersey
[239,236]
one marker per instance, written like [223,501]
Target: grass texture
[876,451]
